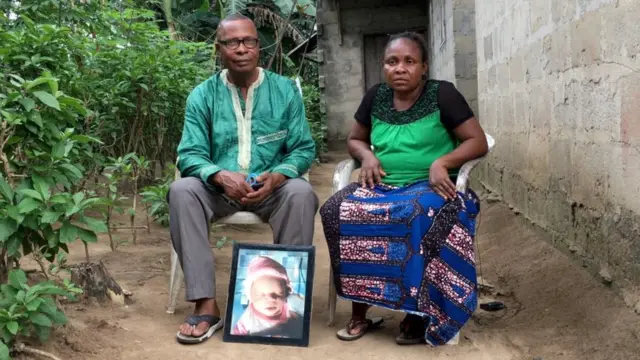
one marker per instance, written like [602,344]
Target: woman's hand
[440,180]
[371,172]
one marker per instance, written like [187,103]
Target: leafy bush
[315,117]
[40,153]
[115,59]
[155,197]
[26,310]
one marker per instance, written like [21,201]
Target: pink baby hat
[265,266]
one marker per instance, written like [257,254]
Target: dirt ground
[555,310]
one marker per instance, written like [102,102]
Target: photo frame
[270,294]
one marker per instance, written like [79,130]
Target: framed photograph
[270,291]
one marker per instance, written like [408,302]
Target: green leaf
[27,205]
[13,327]
[58,318]
[68,233]
[31,193]
[7,228]
[42,186]
[13,213]
[78,197]
[40,319]
[27,103]
[84,139]
[95,225]
[72,211]
[47,99]
[50,217]
[4,351]
[87,236]
[43,332]
[57,151]
[48,307]
[34,304]
[13,246]
[41,80]
[17,278]
[5,190]
[59,199]
[74,170]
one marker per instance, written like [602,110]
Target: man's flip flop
[214,322]
[369,325]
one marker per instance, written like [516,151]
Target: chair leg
[333,297]
[175,283]
[454,340]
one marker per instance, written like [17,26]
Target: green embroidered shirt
[267,132]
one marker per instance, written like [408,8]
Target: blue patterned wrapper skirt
[405,249]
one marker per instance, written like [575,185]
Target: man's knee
[300,192]
[181,188]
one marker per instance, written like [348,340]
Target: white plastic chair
[342,178]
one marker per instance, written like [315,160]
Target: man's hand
[440,180]
[234,184]
[271,181]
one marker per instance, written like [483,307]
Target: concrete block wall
[559,88]
[342,70]
[452,42]
[442,65]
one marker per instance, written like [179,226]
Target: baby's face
[268,296]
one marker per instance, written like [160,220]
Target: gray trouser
[193,206]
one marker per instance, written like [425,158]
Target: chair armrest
[342,174]
[465,170]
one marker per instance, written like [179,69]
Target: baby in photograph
[270,311]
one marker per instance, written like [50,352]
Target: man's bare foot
[203,307]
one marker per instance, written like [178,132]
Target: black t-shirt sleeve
[363,114]
[454,109]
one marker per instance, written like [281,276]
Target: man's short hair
[231,17]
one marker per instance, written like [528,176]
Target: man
[242,120]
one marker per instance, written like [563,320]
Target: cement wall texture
[559,89]
[452,42]
[342,70]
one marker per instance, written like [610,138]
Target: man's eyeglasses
[233,44]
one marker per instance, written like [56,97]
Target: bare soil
[555,309]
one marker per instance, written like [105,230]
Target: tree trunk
[96,282]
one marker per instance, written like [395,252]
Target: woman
[401,237]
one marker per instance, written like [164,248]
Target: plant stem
[133,213]
[86,252]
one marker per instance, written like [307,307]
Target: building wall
[559,89]
[441,41]
[452,42]
[342,69]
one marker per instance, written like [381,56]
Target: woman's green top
[407,142]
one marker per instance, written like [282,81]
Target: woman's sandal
[369,325]
[214,322]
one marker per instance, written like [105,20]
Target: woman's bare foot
[358,318]
[203,307]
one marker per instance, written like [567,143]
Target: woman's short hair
[416,38]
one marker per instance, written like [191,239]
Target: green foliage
[27,311]
[117,61]
[155,197]
[315,117]
[39,146]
